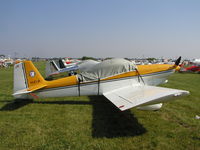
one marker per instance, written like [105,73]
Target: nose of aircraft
[177,68]
[177,64]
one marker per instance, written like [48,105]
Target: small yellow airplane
[120,81]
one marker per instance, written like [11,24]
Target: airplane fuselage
[69,86]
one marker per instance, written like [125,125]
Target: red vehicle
[195,69]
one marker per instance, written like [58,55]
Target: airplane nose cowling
[177,68]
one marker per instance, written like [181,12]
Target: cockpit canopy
[107,69]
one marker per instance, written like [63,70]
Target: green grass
[84,123]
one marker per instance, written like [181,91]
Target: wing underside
[132,96]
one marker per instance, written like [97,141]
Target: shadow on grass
[110,122]
[18,103]
[15,104]
[107,120]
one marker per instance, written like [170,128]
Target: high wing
[131,96]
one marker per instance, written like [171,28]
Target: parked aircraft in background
[6,62]
[120,81]
[57,67]
[195,69]
[191,66]
[196,61]
[69,62]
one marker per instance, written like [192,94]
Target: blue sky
[104,28]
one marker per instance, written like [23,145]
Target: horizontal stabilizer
[132,96]
[26,91]
[20,92]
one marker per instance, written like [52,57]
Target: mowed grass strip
[92,122]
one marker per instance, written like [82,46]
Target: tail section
[27,79]
[51,68]
[34,78]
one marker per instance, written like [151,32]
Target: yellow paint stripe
[67,81]
[143,69]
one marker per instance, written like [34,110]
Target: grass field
[93,123]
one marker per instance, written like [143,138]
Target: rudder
[34,78]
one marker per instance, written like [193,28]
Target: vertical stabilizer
[51,68]
[26,79]
[34,78]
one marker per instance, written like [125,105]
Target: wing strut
[139,76]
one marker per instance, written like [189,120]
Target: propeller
[177,62]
